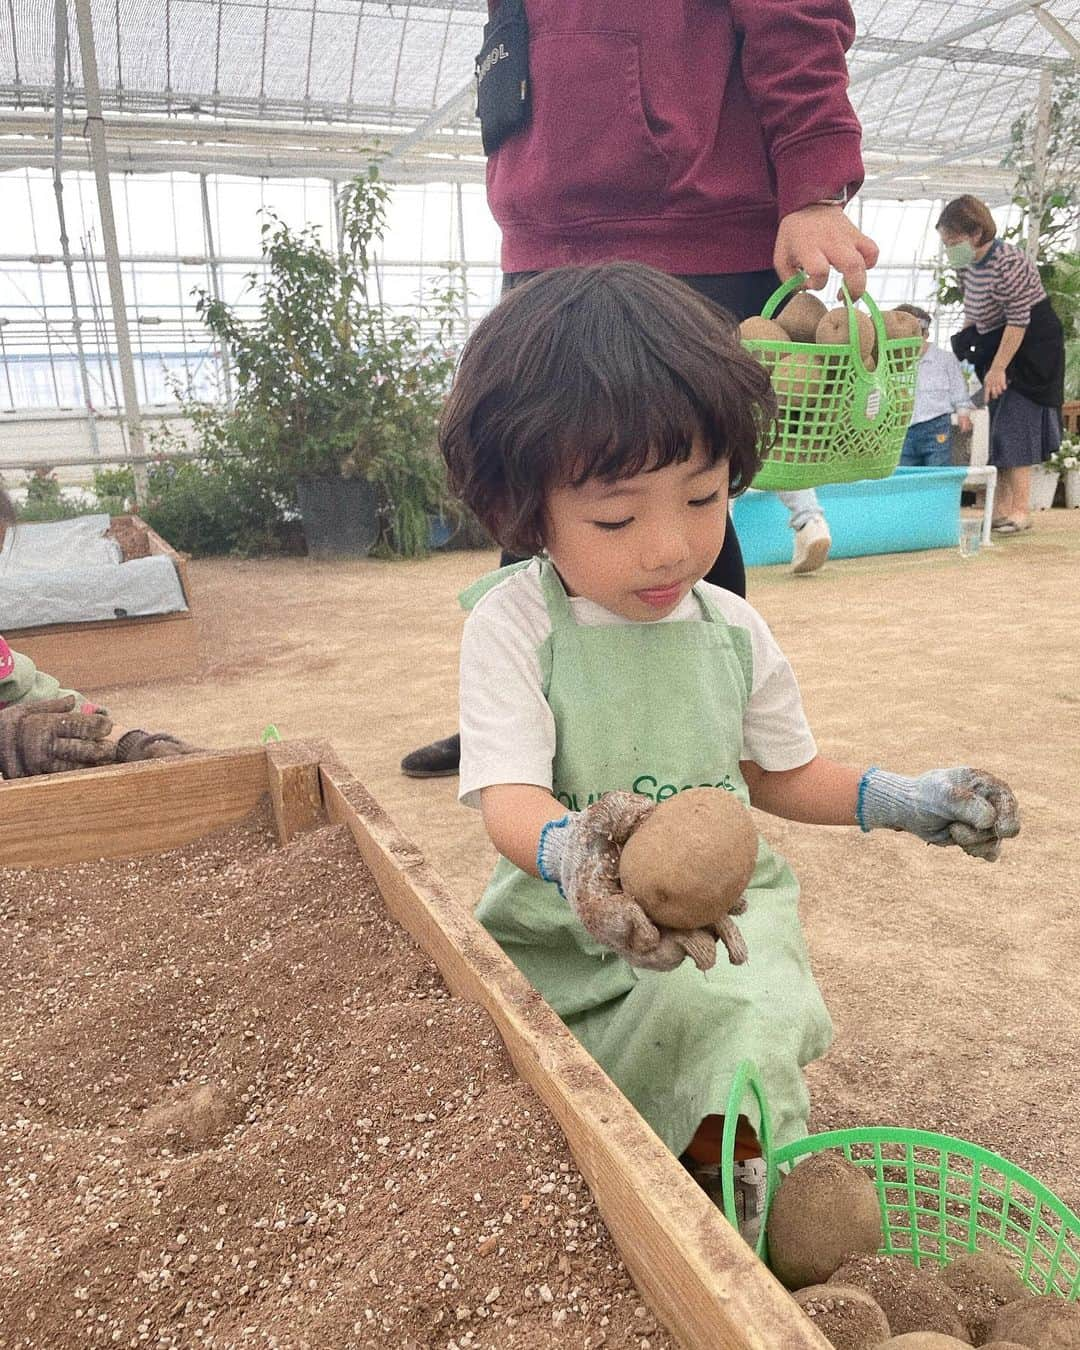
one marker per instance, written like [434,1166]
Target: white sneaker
[812,543]
[749,1179]
[750,1184]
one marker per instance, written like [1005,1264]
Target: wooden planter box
[701,1280]
[104,652]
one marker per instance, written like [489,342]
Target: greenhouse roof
[307,87]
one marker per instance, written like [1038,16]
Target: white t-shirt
[508,729]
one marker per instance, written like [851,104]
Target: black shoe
[440,759]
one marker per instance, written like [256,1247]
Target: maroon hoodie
[674,132]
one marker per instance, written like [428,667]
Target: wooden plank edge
[61,818]
[700,1278]
[18,637]
[295,786]
[162,546]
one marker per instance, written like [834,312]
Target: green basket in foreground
[836,421]
[939,1196]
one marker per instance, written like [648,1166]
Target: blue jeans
[928,444]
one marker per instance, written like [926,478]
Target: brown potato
[823,1211]
[900,324]
[689,863]
[833,328]
[847,1317]
[800,316]
[912,1299]
[984,1282]
[798,378]
[922,1340]
[1044,1323]
[763,330]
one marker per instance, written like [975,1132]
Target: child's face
[638,545]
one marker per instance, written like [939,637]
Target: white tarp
[67,571]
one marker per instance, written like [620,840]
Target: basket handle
[798,281]
[795,283]
[746,1077]
[875,319]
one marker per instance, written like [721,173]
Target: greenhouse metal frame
[310,89]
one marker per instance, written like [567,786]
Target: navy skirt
[1022,432]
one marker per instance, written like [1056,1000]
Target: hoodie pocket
[588,153]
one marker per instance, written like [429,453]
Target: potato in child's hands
[690,861]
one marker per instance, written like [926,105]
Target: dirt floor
[952,983]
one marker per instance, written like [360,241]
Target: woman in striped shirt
[1014,340]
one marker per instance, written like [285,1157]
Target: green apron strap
[740,640]
[555,597]
[472,595]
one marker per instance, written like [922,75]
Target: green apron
[657,708]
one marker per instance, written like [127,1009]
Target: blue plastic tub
[913,509]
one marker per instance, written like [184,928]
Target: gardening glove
[580,854]
[962,806]
[134,745]
[48,736]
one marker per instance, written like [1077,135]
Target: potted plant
[337,398]
[1044,481]
[1066,461]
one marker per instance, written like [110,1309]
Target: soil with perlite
[238,1106]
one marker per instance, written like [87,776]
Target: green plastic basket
[939,1196]
[836,421]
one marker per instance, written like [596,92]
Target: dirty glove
[580,854]
[134,745]
[48,736]
[962,806]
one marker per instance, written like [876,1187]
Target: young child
[47,729]
[600,419]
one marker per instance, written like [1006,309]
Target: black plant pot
[340,515]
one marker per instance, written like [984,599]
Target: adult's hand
[963,423]
[995,383]
[820,237]
[49,736]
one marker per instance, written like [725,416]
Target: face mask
[961,254]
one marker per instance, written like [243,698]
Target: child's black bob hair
[596,372]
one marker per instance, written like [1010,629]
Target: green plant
[329,381]
[114,490]
[205,508]
[45,499]
[1072,369]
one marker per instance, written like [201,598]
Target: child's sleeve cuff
[549,850]
[860,803]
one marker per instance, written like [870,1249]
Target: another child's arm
[47,729]
[43,728]
[963,806]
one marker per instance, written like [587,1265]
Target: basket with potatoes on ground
[844,382]
[900,1239]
